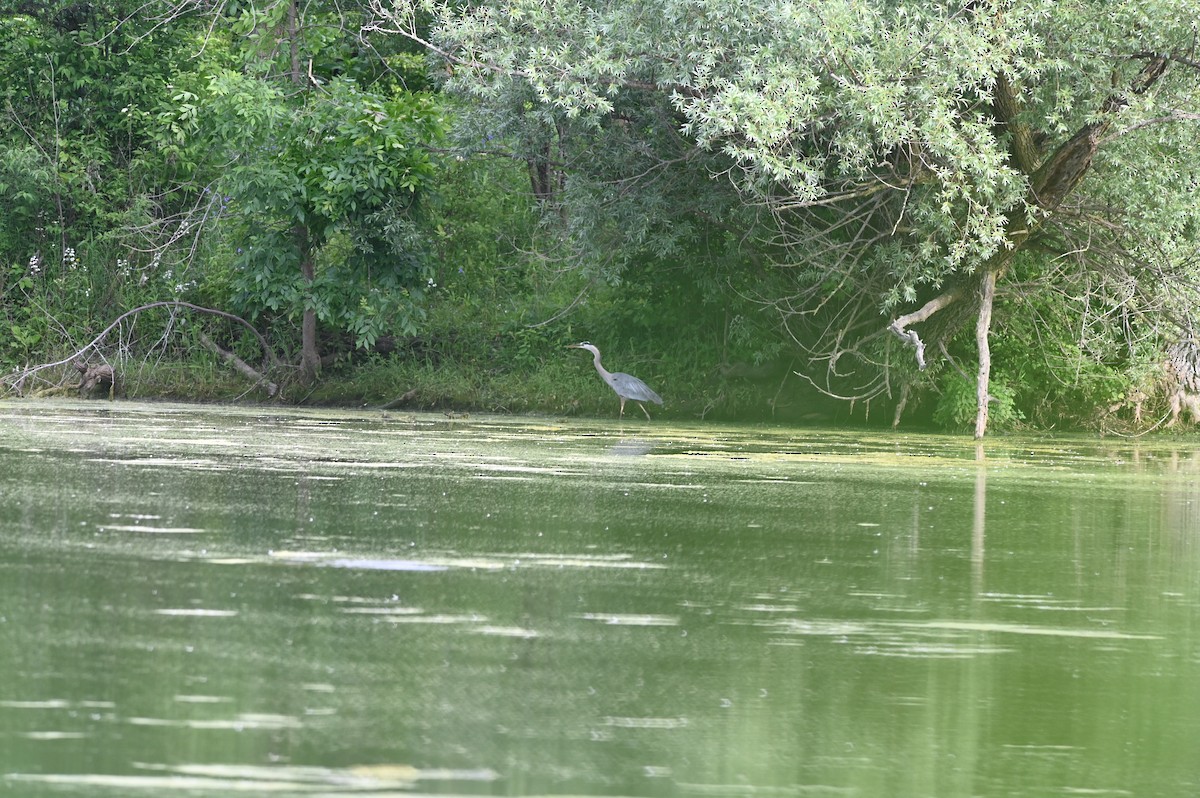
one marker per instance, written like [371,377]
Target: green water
[213,601]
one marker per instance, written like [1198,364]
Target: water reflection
[238,779]
[979,519]
[631,447]
[222,602]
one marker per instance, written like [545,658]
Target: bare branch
[1175,116]
[270,353]
[899,326]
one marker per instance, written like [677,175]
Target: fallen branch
[400,400]
[19,379]
[240,365]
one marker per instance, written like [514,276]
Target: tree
[910,161]
[80,179]
[318,174]
[66,152]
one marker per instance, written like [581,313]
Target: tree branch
[1175,116]
[899,326]
[17,379]
[1008,107]
[240,365]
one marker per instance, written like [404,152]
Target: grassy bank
[558,381]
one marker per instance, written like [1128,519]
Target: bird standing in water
[626,386]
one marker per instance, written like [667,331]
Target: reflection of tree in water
[978,528]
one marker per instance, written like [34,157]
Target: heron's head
[584,345]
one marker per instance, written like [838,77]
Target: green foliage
[81,182]
[751,88]
[692,185]
[24,175]
[893,146]
[1065,362]
[71,80]
[341,164]
[956,406]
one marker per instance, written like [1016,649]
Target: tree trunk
[293,33]
[310,355]
[1050,183]
[540,175]
[982,326]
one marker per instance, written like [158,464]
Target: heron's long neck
[596,362]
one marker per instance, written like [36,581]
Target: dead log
[240,365]
[401,400]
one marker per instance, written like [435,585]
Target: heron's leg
[622,407]
[644,410]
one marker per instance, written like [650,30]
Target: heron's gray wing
[631,387]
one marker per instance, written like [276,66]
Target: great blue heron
[627,386]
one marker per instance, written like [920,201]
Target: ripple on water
[645,723]
[381,610]
[151,530]
[361,563]
[482,562]
[241,722]
[194,463]
[623,619]
[506,631]
[203,699]
[1028,629]
[53,735]
[444,619]
[383,565]
[933,639]
[217,779]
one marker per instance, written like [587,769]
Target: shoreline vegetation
[967,217]
[566,387]
[495,368]
[555,386]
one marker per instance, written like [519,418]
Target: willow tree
[913,156]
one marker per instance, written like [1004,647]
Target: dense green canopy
[883,197]
[904,155]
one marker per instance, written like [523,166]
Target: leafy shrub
[956,408]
